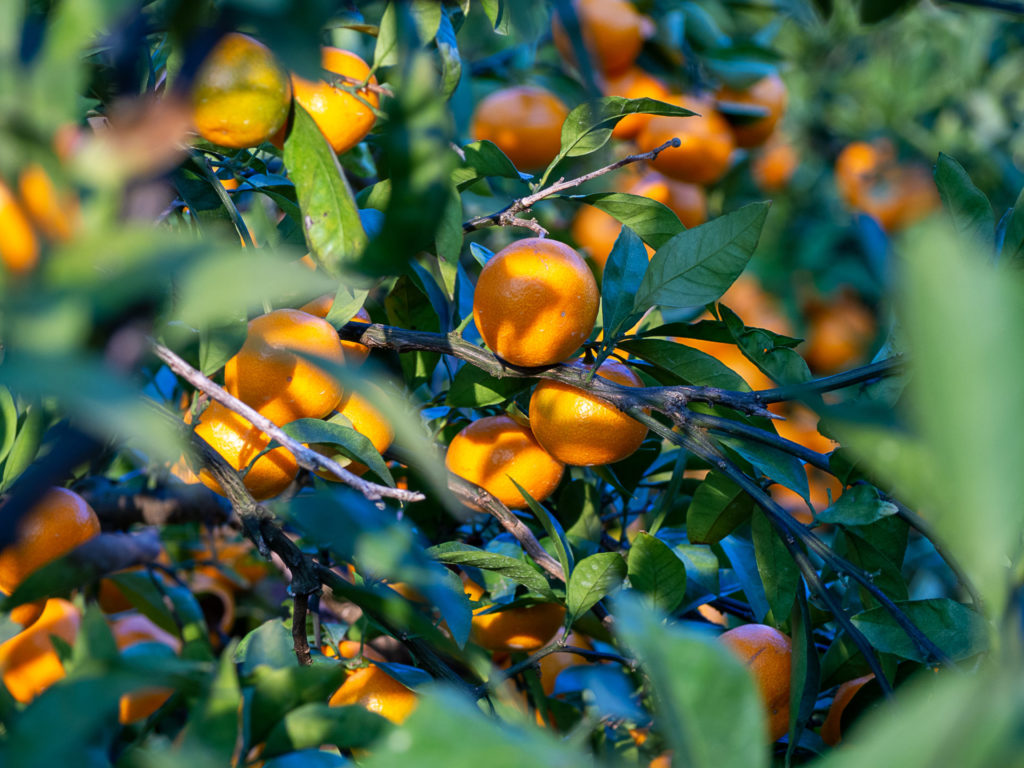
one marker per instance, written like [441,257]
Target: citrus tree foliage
[908,567]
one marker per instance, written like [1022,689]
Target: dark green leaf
[25,446]
[967,205]
[779,573]
[334,231]
[270,644]
[511,568]
[805,673]
[482,160]
[552,527]
[657,572]
[218,345]
[593,579]
[872,11]
[352,444]
[451,62]
[719,506]
[772,354]
[311,725]
[744,565]
[1013,237]
[407,307]
[953,627]
[448,241]
[475,388]
[782,467]
[213,722]
[8,422]
[691,365]
[654,222]
[859,505]
[622,275]
[885,573]
[697,266]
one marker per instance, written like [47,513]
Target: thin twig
[739,429]
[509,215]
[888,367]
[306,457]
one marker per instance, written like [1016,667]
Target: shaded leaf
[967,205]
[655,223]
[593,579]
[657,572]
[859,505]
[953,627]
[718,507]
[779,573]
[454,553]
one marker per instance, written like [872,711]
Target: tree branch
[509,215]
[119,508]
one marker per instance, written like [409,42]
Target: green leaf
[771,353]
[145,591]
[218,345]
[451,61]
[859,505]
[1013,238]
[691,365]
[270,644]
[782,467]
[872,11]
[448,241]
[308,758]
[8,422]
[654,222]
[347,441]
[454,553]
[277,691]
[705,699]
[310,725]
[805,672]
[407,307]
[483,159]
[718,507]
[622,275]
[967,205]
[552,527]
[779,573]
[214,721]
[589,126]
[657,572]
[26,444]
[475,388]
[697,266]
[885,572]
[952,626]
[333,229]
[593,579]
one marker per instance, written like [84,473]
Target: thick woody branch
[509,215]
[111,552]
[307,458]
[119,508]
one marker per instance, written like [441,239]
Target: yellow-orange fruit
[273,372]
[774,165]
[612,31]
[687,201]
[831,729]
[19,246]
[524,121]
[374,689]
[59,522]
[535,302]
[768,92]
[239,442]
[367,421]
[526,628]
[768,654]
[28,661]
[634,83]
[552,665]
[494,448]
[240,96]
[839,335]
[128,631]
[706,142]
[55,214]
[342,117]
[355,352]
[580,429]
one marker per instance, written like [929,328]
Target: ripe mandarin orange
[367,421]
[28,661]
[524,628]
[706,142]
[768,92]
[271,374]
[374,689]
[580,429]
[768,654]
[535,302]
[552,665]
[594,232]
[612,31]
[493,448]
[344,118]
[857,166]
[355,352]
[59,522]
[525,121]
[54,213]
[353,649]
[19,246]
[239,442]
[634,83]
[774,165]
[130,630]
[831,729]
[241,96]
[662,761]
[687,201]
[840,333]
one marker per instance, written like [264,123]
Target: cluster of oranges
[38,208]
[275,373]
[242,97]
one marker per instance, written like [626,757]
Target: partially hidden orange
[634,83]
[769,93]
[375,690]
[130,630]
[831,729]
[768,654]
[54,212]
[29,663]
[355,352]
[706,142]
[613,33]
[524,121]
[19,246]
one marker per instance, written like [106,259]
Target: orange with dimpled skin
[535,302]
[355,352]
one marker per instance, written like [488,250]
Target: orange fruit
[535,302]
[26,613]
[712,615]
[768,654]
[130,630]
[494,448]
[28,661]
[580,429]
[367,421]
[238,555]
[59,522]
[272,374]
[355,352]
[19,246]
[831,729]
[840,333]
[374,689]
[525,628]
[706,142]
[824,489]
[343,118]
[857,166]
[612,31]
[595,233]
[768,92]
[662,761]
[353,649]
[774,165]
[241,96]
[552,665]
[687,201]
[239,442]
[524,121]
[55,214]
[634,83]
[755,306]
